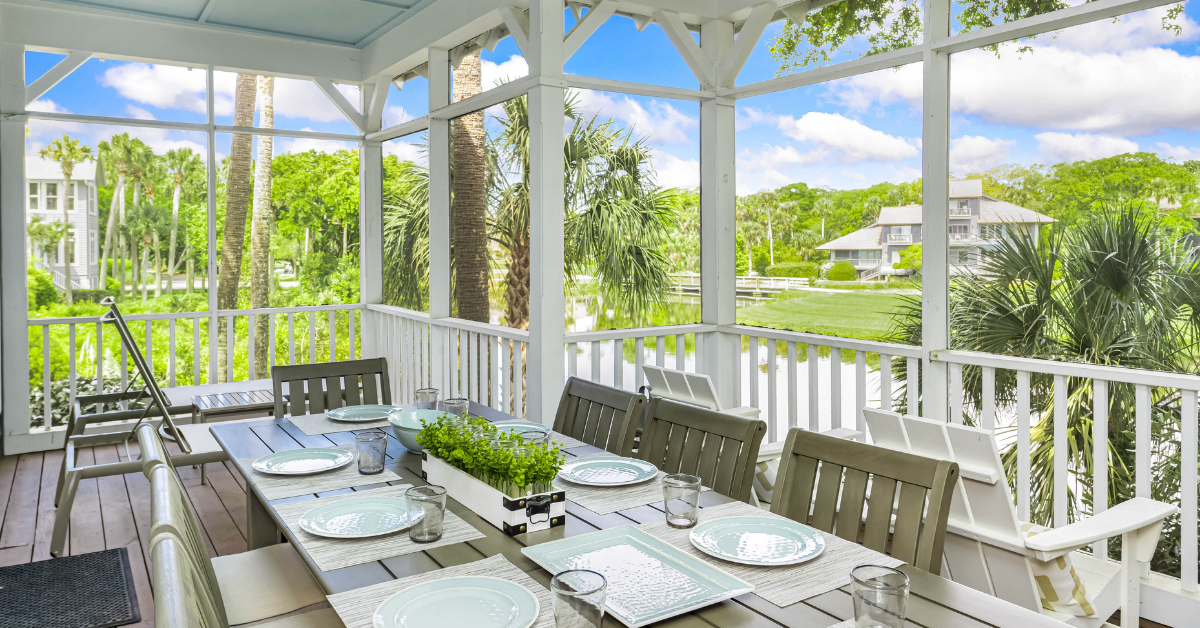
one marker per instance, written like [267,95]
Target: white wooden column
[935,172]
[718,247]
[439,218]
[370,212]
[14,340]
[545,366]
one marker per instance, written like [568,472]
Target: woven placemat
[331,554]
[280,486]
[849,623]
[357,607]
[783,585]
[317,424]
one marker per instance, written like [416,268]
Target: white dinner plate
[304,461]
[463,602]
[607,471]
[359,518]
[761,541]
[361,414]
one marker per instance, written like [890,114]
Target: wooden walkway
[110,512]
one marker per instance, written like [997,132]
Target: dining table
[934,602]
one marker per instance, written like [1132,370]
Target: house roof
[868,238]
[992,211]
[39,168]
[906,215]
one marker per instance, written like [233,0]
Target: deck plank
[120,529]
[51,467]
[85,535]
[231,494]
[8,472]
[20,518]
[218,524]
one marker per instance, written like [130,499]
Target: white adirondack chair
[693,388]
[984,545]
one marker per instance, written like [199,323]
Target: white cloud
[658,121]
[139,113]
[406,151]
[765,169]
[673,172]
[974,153]
[1181,153]
[1058,147]
[746,117]
[1137,30]
[46,106]
[395,114]
[492,74]
[162,86]
[303,144]
[851,141]
[903,173]
[303,99]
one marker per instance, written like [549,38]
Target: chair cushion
[1059,586]
[201,439]
[265,582]
[324,618]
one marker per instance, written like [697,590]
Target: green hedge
[807,270]
[842,271]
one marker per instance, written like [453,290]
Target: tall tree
[237,199]
[116,155]
[181,163]
[67,151]
[261,271]
[469,208]
[140,158]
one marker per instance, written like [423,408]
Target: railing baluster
[1142,442]
[1023,445]
[752,367]
[251,369]
[99,358]
[71,361]
[399,334]
[1060,451]
[461,386]
[1100,457]
[956,393]
[814,388]
[913,386]
[885,381]
[680,352]
[47,417]
[230,352]
[793,387]
[291,338]
[1189,556]
[312,337]
[350,333]
[772,393]
[988,402]
[572,359]
[639,358]
[148,350]
[271,355]
[473,351]
[595,346]
[171,352]
[518,379]
[660,351]
[506,374]
[195,350]
[332,324]
[835,387]
[860,390]
[494,352]
[618,346]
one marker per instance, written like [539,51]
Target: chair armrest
[1134,514]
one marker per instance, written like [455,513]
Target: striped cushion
[1060,587]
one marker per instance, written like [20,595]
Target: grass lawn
[863,315]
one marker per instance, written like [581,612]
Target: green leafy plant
[517,469]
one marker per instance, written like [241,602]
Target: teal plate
[304,461]
[464,602]
[648,579]
[520,427]
[607,471]
[761,541]
[359,518]
[361,414]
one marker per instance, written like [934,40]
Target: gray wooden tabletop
[934,602]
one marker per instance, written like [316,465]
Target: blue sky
[1091,91]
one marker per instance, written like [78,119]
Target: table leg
[260,529]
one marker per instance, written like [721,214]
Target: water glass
[457,406]
[880,596]
[533,438]
[371,446]
[681,500]
[429,504]
[578,598]
[427,398]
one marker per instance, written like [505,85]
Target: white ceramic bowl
[406,423]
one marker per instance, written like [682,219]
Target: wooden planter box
[512,515]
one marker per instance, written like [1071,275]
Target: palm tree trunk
[145,262]
[770,236]
[261,272]
[191,274]
[157,267]
[516,291]
[174,229]
[108,233]
[237,198]
[68,241]
[469,208]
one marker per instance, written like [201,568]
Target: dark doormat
[87,591]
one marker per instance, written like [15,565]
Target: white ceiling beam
[60,71]
[339,100]
[752,30]
[376,102]
[639,89]
[586,27]
[682,39]
[863,65]
[797,12]
[641,21]
[208,9]
[517,22]
[400,130]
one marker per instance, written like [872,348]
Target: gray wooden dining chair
[720,448]
[827,483]
[330,385]
[600,416]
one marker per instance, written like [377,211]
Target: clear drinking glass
[371,446]
[681,500]
[578,598]
[457,406]
[427,398]
[880,596]
[429,503]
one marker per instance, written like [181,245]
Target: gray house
[977,221]
[44,197]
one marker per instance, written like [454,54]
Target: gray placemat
[603,500]
[280,486]
[356,607]
[331,554]
[317,424]
[783,585]
[849,623]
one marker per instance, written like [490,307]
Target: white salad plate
[520,427]
[607,471]
[304,461]
[463,602]
[761,541]
[361,414]
[359,518]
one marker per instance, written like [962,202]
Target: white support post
[210,282]
[439,217]
[546,298]
[718,265]
[370,205]
[935,215]
[14,335]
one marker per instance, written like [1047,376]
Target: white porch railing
[187,362]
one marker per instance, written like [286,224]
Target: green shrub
[41,289]
[317,269]
[95,296]
[842,271]
[807,270]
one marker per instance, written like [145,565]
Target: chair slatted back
[171,516]
[722,449]
[823,482]
[154,452]
[600,416]
[182,597]
[330,385]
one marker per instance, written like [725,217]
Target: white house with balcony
[977,222]
[44,196]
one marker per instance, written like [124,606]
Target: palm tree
[116,154]
[237,199]
[140,159]
[144,223]
[824,208]
[468,142]
[181,163]
[261,267]
[67,151]
[45,236]
[406,238]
